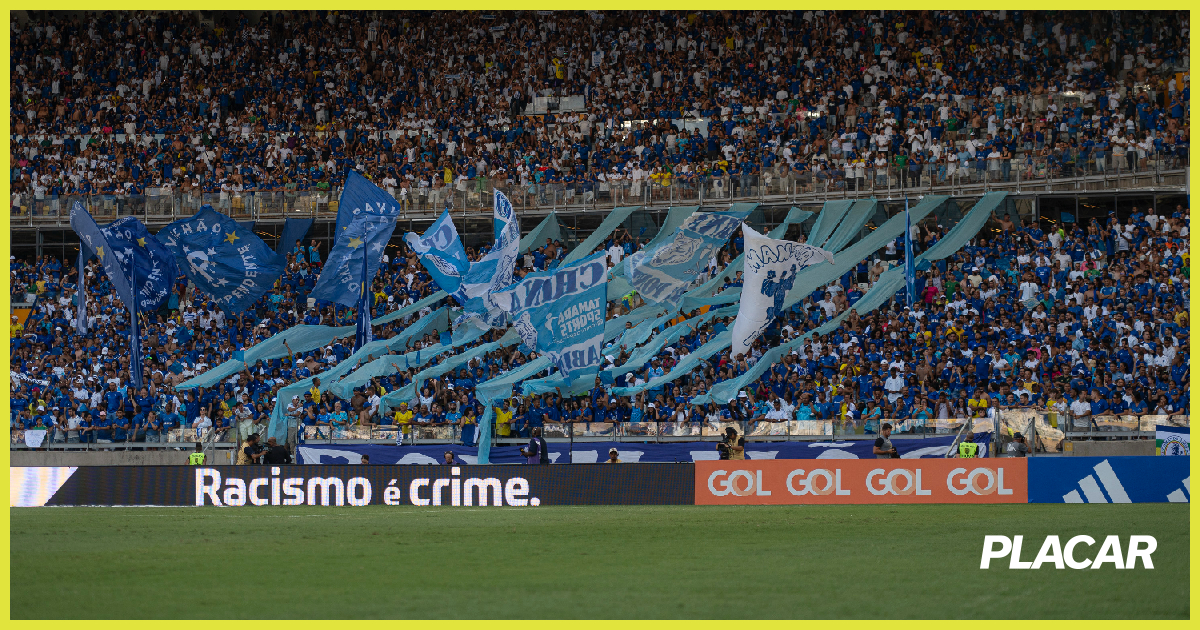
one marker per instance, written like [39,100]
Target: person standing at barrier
[614,457]
[276,454]
[1017,447]
[883,448]
[196,458]
[536,452]
[250,452]
[967,447]
[732,446]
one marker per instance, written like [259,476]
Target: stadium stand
[1084,319]
[127,106]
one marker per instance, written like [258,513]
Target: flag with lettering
[370,215]
[442,254]
[663,273]
[222,258]
[771,266]
[153,268]
[495,270]
[560,313]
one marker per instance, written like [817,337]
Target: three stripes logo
[1091,489]
[1105,487]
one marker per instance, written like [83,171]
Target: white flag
[771,267]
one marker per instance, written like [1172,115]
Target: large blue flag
[363,334]
[359,196]
[442,254]
[560,312]
[371,218]
[222,258]
[153,267]
[910,271]
[495,270]
[663,273]
[118,271]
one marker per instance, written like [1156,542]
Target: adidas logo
[1091,489]
[1111,485]
[1181,495]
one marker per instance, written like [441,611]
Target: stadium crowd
[122,103]
[1086,319]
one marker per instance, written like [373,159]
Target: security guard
[968,447]
[196,458]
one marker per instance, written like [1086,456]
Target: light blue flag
[663,273]
[223,258]
[152,268]
[494,271]
[371,217]
[442,254]
[910,270]
[560,312]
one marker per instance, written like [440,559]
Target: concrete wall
[1110,448]
[111,458]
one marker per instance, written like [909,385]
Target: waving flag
[370,215]
[154,268]
[361,196]
[119,272]
[223,258]
[561,313]
[442,254]
[771,266]
[495,270]
[663,273]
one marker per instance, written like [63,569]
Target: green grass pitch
[840,562]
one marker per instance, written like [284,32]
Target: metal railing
[1036,175]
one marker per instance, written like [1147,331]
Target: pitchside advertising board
[721,482]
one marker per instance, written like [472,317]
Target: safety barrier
[719,482]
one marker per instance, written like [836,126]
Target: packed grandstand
[1082,318]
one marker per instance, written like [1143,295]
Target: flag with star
[153,267]
[222,258]
[371,219]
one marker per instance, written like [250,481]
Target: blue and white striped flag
[495,270]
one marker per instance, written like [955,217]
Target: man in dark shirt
[883,444]
[536,452]
[276,454]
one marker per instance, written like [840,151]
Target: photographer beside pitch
[731,446]
[883,448]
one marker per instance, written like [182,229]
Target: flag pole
[910,276]
[81,294]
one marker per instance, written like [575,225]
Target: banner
[366,219]
[750,482]
[442,254]
[1109,479]
[354,485]
[152,269]
[495,270]
[771,267]
[223,259]
[561,313]
[35,437]
[579,452]
[663,273]
[1172,441]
